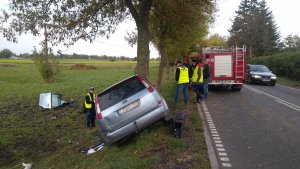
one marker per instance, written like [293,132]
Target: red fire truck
[228,66]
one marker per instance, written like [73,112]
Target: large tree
[255,27]
[70,20]
[178,25]
[5,53]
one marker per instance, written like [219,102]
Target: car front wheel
[249,80]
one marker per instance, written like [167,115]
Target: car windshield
[119,92]
[259,68]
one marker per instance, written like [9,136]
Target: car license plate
[265,80]
[129,107]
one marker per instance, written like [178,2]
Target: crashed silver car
[127,107]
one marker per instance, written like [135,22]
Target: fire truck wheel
[236,88]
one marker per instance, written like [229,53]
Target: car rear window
[119,92]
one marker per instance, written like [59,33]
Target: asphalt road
[258,127]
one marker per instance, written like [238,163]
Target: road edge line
[210,149]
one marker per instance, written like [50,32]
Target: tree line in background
[6,53]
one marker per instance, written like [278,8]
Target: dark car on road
[260,74]
[127,107]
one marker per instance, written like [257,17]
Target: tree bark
[162,53]
[141,17]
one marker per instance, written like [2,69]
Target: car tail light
[98,112]
[150,89]
[146,84]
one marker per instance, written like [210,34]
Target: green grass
[288,82]
[52,138]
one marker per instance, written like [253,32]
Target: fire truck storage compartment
[223,66]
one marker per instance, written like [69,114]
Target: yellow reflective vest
[195,74]
[88,106]
[184,75]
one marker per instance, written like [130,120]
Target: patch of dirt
[6,156]
[82,67]
[7,65]
[30,117]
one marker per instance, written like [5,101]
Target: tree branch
[133,11]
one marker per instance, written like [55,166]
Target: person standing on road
[197,80]
[206,78]
[89,104]
[182,79]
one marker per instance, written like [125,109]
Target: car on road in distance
[260,74]
[128,107]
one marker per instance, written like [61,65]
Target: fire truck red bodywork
[228,66]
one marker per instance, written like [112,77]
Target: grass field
[52,138]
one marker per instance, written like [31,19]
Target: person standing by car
[182,79]
[206,78]
[89,105]
[197,79]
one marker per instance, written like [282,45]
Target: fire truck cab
[228,66]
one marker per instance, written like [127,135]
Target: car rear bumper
[110,137]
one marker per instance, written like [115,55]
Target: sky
[285,14]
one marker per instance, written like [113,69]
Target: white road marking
[222,154]
[219,145]
[288,104]
[216,137]
[218,141]
[224,158]
[220,149]
[226,164]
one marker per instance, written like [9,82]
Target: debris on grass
[27,166]
[92,150]
[82,67]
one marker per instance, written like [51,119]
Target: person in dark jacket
[89,105]
[206,78]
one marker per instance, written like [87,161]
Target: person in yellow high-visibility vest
[197,79]
[182,78]
[89,105]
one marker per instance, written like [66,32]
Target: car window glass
[119,92]
[262,69]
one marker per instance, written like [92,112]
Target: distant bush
[285,64]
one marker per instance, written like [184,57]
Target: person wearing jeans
[206,78]
[182,78]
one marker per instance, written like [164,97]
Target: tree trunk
[250,51]
[143,51]
[141,17]
[162,58]
[167,69]
[46,44]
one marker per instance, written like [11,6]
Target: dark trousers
[90,118]
[198,89]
